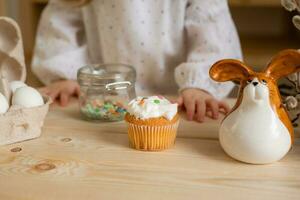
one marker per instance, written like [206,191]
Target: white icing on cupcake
[152,107]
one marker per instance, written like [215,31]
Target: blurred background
[264,26]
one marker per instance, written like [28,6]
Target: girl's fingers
[190,105]
[44,90]
[179,101]
[53,95]
[225,106]
[201,110]
[77,91]
[64,99]
[208,112]
[214,106]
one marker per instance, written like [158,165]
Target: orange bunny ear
[229,70]
[284,63]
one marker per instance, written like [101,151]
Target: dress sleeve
[211,36]
[60,48]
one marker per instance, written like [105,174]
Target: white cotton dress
[170,43]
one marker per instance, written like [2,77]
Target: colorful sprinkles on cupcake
[151,107]
[156,101]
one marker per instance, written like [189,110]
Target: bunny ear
[229,70]
[284,63]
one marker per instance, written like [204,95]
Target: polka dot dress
[170,43]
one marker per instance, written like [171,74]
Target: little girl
[171,44]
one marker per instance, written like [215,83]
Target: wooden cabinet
[2,7]
[29,14]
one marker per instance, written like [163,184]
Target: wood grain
[75,159]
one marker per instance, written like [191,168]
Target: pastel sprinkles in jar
[108,110]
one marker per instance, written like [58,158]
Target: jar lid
[103,74]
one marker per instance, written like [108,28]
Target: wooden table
[75,159]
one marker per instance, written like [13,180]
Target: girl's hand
[61,91]
[199,104]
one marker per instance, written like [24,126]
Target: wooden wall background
[2,7]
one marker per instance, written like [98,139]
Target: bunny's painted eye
[264,81]
[249,81]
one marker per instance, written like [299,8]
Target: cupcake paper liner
[152,138]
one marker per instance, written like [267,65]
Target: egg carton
[18,123]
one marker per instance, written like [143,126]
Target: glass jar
[105,90]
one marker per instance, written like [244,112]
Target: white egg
[14,85]
[3,104]
[27,97]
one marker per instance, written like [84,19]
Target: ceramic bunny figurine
[258,129]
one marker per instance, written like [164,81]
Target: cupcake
[152,123]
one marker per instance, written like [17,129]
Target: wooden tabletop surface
[75,159]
